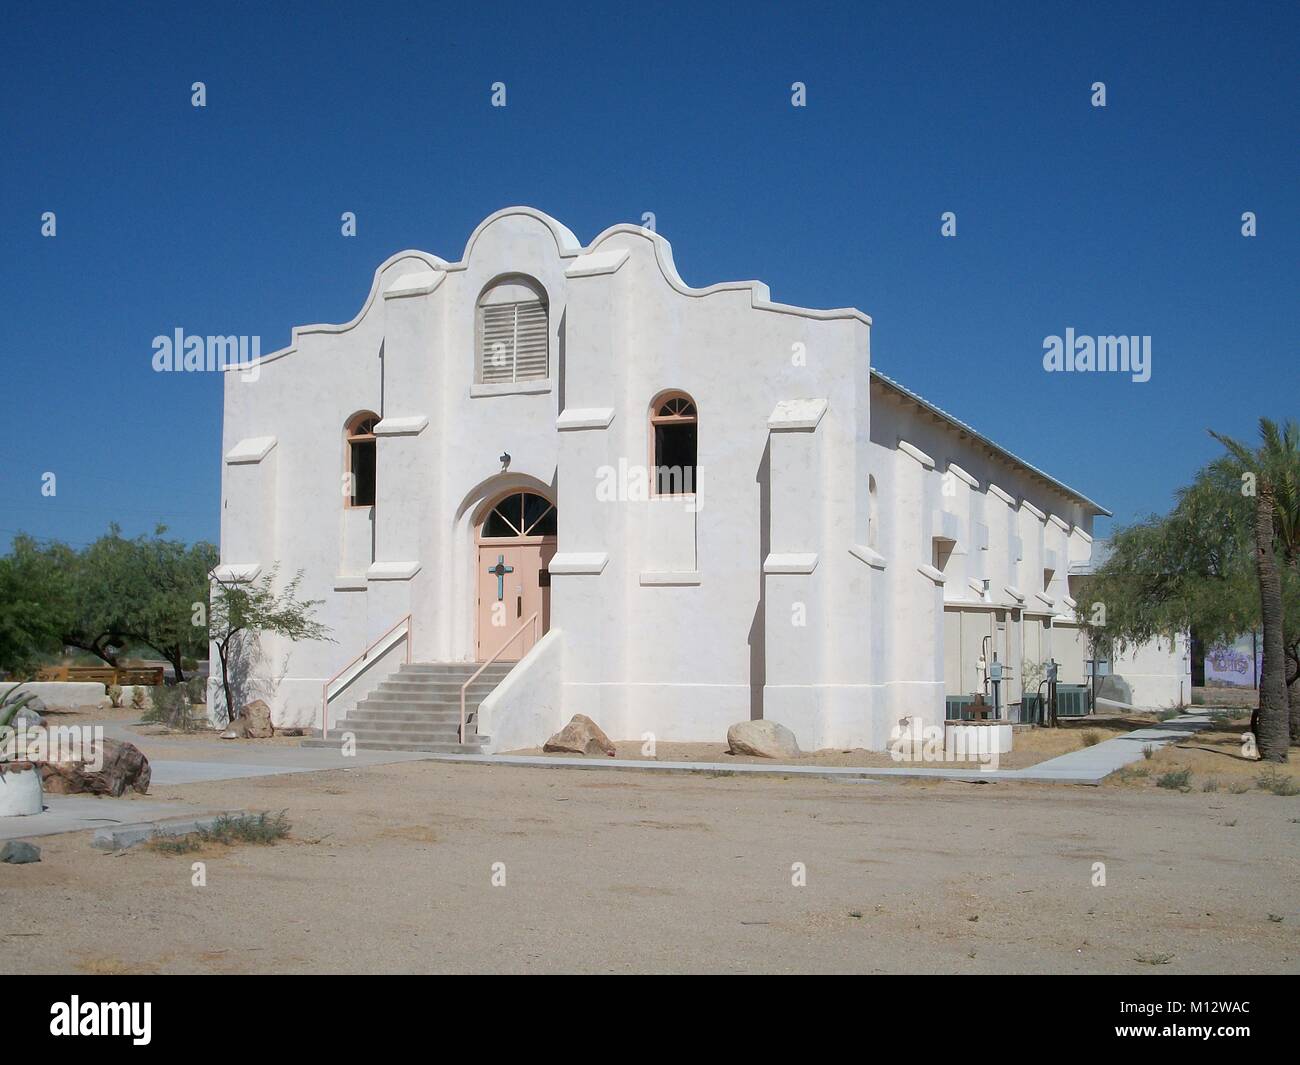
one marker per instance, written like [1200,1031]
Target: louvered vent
[512,342]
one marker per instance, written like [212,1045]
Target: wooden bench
[105,675]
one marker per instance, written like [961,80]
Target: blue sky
[225,219]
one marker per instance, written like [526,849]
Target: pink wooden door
[512,583]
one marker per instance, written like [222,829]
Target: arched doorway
[516,541]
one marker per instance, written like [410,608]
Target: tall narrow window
[513,333]
[674,428]
[360,484]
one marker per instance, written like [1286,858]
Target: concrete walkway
[197,761]
[1089,765]
[1104,758]
[76,813]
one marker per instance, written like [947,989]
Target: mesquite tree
[242,610]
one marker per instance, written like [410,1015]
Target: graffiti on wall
[1235,665]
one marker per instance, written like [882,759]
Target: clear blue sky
[225,220]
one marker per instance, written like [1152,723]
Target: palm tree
[1286,519]
[1272,473]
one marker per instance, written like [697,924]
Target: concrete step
[459,669]
[432,691]
[401,745]
[429,715]
[401,684]
[417,700]
[415,705]
[438,731]
[423,728]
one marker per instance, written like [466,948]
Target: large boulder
[580,736]
[253,722]
[123,766]
[762,739]
[258,716]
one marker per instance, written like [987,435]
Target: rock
[762,739]
[236,729]
[258,716]
[30,715]
[16,852]
[124,766]
[580,736]
[27,718]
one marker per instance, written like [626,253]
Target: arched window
[519,515]
[513,333]
[674,426]
[360,440]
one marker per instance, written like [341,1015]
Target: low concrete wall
[526,708]
[60,693]
[977,739]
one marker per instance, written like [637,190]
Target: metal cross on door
[499,571]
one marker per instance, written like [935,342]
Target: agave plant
[10,704]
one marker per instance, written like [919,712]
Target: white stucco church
[668,508]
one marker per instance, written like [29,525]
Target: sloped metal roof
[975,434]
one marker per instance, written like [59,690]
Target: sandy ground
[1029,747]
[1216,759]
[130,718]
[389,869]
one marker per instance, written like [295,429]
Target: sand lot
[389,869]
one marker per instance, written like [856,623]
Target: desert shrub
[170,706]
[115,695]
[1148,751]
[1165,715]
[137,697]
[196,690]
[1277,782]
[1239,787]
[1175,779]
[1127,775]
[1210,784]
[1091,738]
[263,828]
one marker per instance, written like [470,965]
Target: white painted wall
[529,703]
[760,598]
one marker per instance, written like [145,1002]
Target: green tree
[115,593]
[1196,569]
[32,607]
[242,610]
[171,616]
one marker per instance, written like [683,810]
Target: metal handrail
[325,688]
[532,619]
